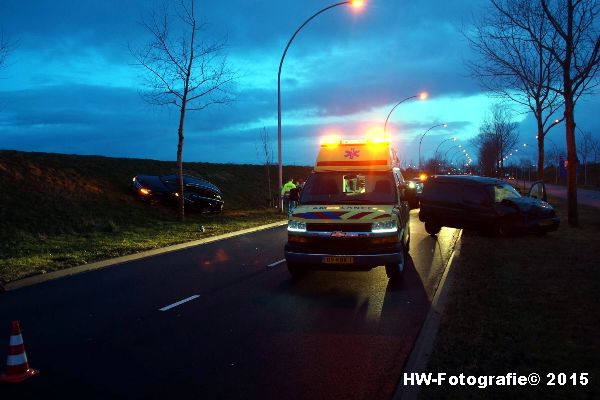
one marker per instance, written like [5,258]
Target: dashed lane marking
[276,263]
[180,302]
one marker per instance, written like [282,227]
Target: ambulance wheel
[394,271]
[296,270]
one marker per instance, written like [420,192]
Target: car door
[477,204]
[446,203]
[538,191]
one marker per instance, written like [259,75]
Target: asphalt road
[246,332]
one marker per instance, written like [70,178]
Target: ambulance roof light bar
[370,138]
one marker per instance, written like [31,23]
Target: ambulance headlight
[385,227]
[411,185]
[296,226]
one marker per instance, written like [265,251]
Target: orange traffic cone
[17,367]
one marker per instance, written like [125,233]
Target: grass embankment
[58,211]
[524,304]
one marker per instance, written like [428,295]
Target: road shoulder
[423,347]
[33,280]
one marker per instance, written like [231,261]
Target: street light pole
[438,148]
[279,159]
[421,141]
[422,96]
[447,151]
[442,142]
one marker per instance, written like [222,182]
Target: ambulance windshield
[348,187]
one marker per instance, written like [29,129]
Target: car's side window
[473,194]
[447,192]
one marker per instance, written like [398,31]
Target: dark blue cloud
[70,85]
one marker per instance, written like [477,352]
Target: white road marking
[276,263]
[179,303]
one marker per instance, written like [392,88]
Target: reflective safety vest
[287,187]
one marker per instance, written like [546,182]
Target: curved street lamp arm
[447,151]
[392,110]
[422,136]
[421,141]
[279,158]
[300,28]
[440,145]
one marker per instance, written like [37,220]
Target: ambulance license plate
[338,260]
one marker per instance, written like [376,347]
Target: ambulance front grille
[320,227]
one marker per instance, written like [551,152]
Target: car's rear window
[450,192]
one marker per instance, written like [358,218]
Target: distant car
[199,194]
[415,185]
[485,204]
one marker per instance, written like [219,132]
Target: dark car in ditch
[485,204]
[199,194]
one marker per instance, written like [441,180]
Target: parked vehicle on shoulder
[486,204]
[199,194]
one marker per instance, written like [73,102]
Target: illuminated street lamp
[442,142]
[455,146]
[421,96]
[437,149]
[422,136]
[353,3]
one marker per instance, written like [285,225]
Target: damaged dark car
[485,204]
[200,195]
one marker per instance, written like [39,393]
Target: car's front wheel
[432,228]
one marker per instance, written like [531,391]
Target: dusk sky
[70,84]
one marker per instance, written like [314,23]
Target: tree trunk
[540,140]
[180,162]
[573,217]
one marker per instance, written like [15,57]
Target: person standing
[285,193]
[294,199]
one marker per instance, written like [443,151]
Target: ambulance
[353,211]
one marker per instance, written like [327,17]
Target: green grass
[58,211]
[40,254]
[524,304]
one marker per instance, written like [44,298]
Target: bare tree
[552,160]
[497,137]
[266,153]
[182,70]
[596,148]
[585,149]
[486,154]
[576,47]
[514,64]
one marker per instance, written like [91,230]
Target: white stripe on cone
[16,340]
[17,359]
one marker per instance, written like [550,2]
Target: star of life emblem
[352,153]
